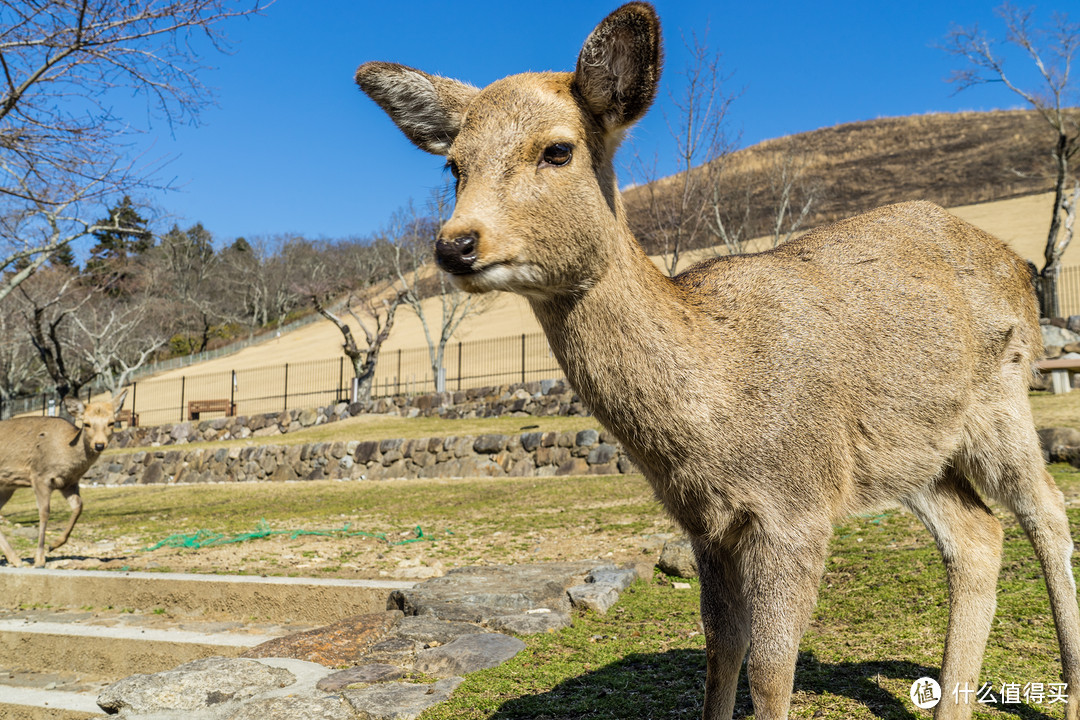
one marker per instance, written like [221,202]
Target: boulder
[677,559]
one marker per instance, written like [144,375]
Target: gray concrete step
[65,634]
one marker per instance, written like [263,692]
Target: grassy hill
[984,166]
[951,159]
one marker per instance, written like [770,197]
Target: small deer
[50,453]
[753,391]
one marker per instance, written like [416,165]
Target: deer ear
[427,108]
[118,401]
[74,407]
[618,69]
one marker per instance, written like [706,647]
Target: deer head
[537,208]
[97,419]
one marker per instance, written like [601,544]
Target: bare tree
[60,143]
[115,338]
[21,372]
[1051,49]
[677,206]
[793,195]
[47,306]
[411,236]
[353,268]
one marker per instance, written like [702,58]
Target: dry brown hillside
[951,159]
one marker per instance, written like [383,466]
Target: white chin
[508,278]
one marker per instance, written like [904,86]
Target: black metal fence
[322,382]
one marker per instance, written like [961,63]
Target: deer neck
[626,345]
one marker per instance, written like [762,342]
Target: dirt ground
[341,556]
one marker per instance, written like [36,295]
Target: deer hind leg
[5,547]
[969,538]
[781,575]
[71,494]
[1013,472]
[727,627]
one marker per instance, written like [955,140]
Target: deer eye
[453,168]
[557,155]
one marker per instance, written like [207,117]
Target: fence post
[134,386]
[341,378]
[43,407]
[232,394]
[459,365]
[182,381]
[286,386]
[522,358]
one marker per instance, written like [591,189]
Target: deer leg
[71,494]
[727,627]
[42,491]
[969,538]
[9,552]
[1040,508]
[781,575]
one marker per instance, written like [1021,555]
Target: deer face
[536,205]
[97,419]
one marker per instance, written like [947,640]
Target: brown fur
[882,359]
[49,453]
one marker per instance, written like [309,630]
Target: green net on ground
[206,538]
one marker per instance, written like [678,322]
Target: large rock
[593,596]
[400,701]
[307,705]
[467,654]
[1057,441]
[368,674]
[428,629]
[194,686]
[677,559]
[531,622]
[476,594]
[341,643]
[1054,336]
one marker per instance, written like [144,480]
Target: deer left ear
[118,401]
[618,70]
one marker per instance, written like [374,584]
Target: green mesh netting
[207,538]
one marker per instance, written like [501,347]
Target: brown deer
[752,390]
[49,453]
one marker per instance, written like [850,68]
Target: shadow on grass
[669,685]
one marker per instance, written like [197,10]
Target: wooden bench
[127,416]
[1059,370]
[196,407]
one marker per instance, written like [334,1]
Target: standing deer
[49,453]
[752,390]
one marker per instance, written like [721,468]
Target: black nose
[99,446]
[456,256]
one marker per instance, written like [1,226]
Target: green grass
[878,626]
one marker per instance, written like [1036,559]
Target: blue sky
[294,146]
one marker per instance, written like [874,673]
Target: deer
[51,453]
[751,390]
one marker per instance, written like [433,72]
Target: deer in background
[50,453]
[752,390]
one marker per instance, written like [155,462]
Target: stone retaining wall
[543,398]
[588,452]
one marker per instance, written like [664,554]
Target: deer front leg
[782,572]
[9,552]
[71,494]
[42,492]
[727,631]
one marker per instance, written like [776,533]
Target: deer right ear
[618,69]
[427,108]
